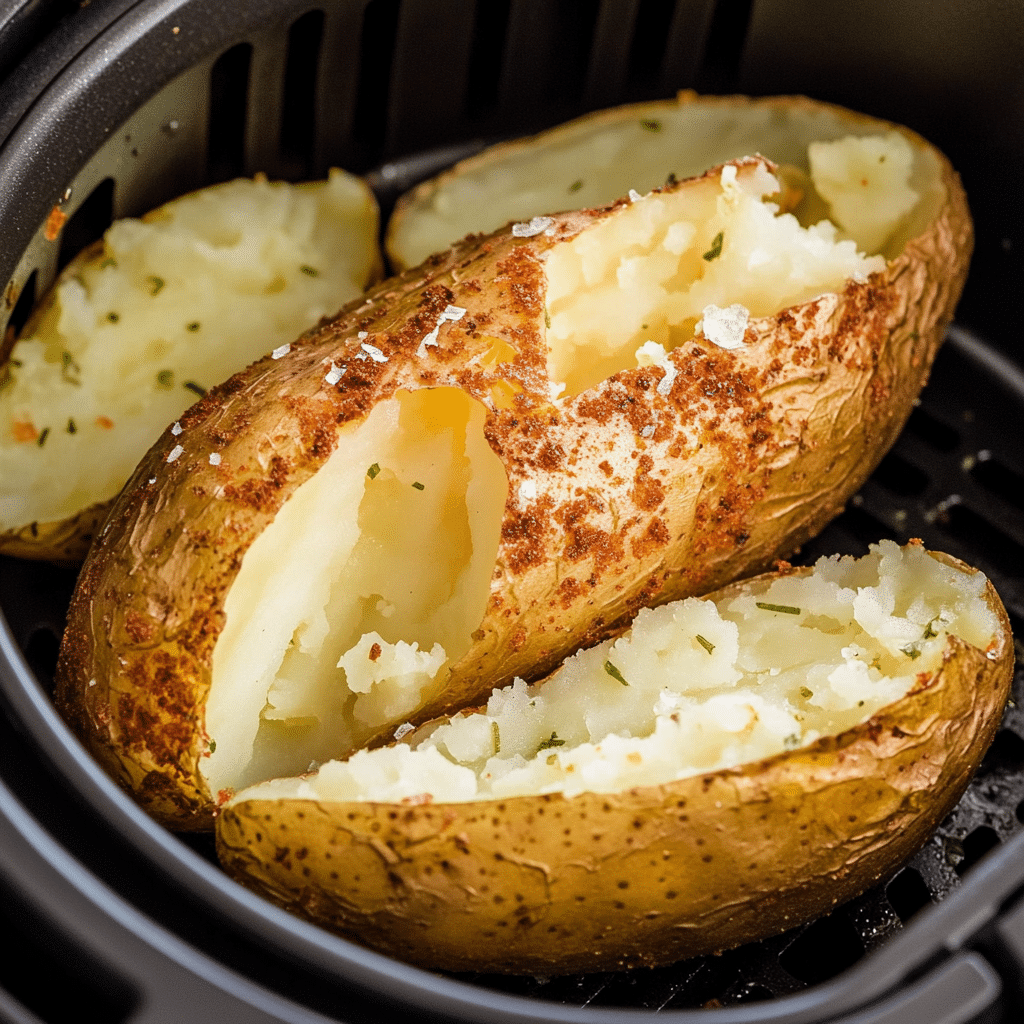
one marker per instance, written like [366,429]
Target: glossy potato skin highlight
[753,451]
[547,885]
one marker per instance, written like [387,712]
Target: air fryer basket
[123,105]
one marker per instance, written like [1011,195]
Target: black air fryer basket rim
[36,164]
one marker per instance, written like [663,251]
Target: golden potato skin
[754,450]
[543,885]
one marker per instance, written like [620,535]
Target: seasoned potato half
[138,326]
[602,156]
[727,769]
[483,465]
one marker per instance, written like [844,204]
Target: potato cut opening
[168,306]
[350,608]
[704,258]
[694,686]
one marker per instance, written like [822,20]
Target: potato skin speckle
[639,878]
[754,451]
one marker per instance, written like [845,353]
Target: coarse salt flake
[176,453]
[430,339]
[281,351]
[452,313]
[214,458]
[362,334]
[527,229]
[373,352]
[334,374]
[648,431]
[528,490]
[403,730]
[650,353]
[726,327]
[634,195]
[176,429]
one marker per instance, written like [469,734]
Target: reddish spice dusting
[22,430]
[105,422]
[54,222]
[375,652]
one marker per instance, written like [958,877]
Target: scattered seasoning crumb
[552,759]
[105,422]
[71,427]
[195,388]
[176,453]
[155,284]
[43,436]
[54,222]
[552,741]
[615,673]
[403,730]
[716,247]
[547,318]
[176,429]
[214,458]
[806,693]
[213,746]
[113,317]
[527,229]
[650,125]
[706,644]
[281,351]
[418,485]
[496,736]
[362,334]
[309,271]
[576,185]
[165,379]
[193,327]
[791,741]
[373,471]
[648,431]
[528,490]
[70,371]
[788,609]
[375,652]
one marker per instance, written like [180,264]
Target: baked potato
[140,324]
[727,769]
[488,462]
[599,157]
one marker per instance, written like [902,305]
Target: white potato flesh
[350,607]
[693,687]
[651,275]
[596,160]
[178,301]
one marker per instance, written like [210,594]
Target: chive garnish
[43,436]
[553,741]
[195,388]
[928,631]
[69,369]
[193,327]
[373,471]
[155,284]
[788,609]
[418,485]
[113,317]
[165,378]
[716,247]
[706,644]
[791,741]
[496,736]
[806,693]
[650,125]
[213,746]
[576,185]
[309,271]
[614,673]
[547,318]
[72,427]
[108,262]
[911,651]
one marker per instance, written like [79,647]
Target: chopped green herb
[671,179]
[912,651]
[197,389]
[928,631]
[108,262]
[43,436]
[155,284]
[418,485]
[193,327]
[373,471]
[547,318]
[788,609]
[213,746]
[113,317]
[553,741]
[69,369]
[72,428]
[576,185]
[716,247]
[496,736]
[309,271]
[614,673]
[806,693]
[706,644]
[791,741]
[650,125]
[165,379]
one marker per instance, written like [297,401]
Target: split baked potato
[140,324]
[492,460]
[727,769]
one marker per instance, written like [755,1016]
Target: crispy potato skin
[754,450]
[538,885]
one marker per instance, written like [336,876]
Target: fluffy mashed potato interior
[175,303]
[678,263]
[351,606]
[693,687]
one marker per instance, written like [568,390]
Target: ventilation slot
[724,48]
[986,542]
[900,477]
[975,846]
[999,479]
[298,126]
[826,948]
[932,431]
[377,50]
[483,80]
[569,56]
[650,37]
[229,92]
[907,894]
[87,224]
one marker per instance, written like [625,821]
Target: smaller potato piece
[139,325]
[729,768]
